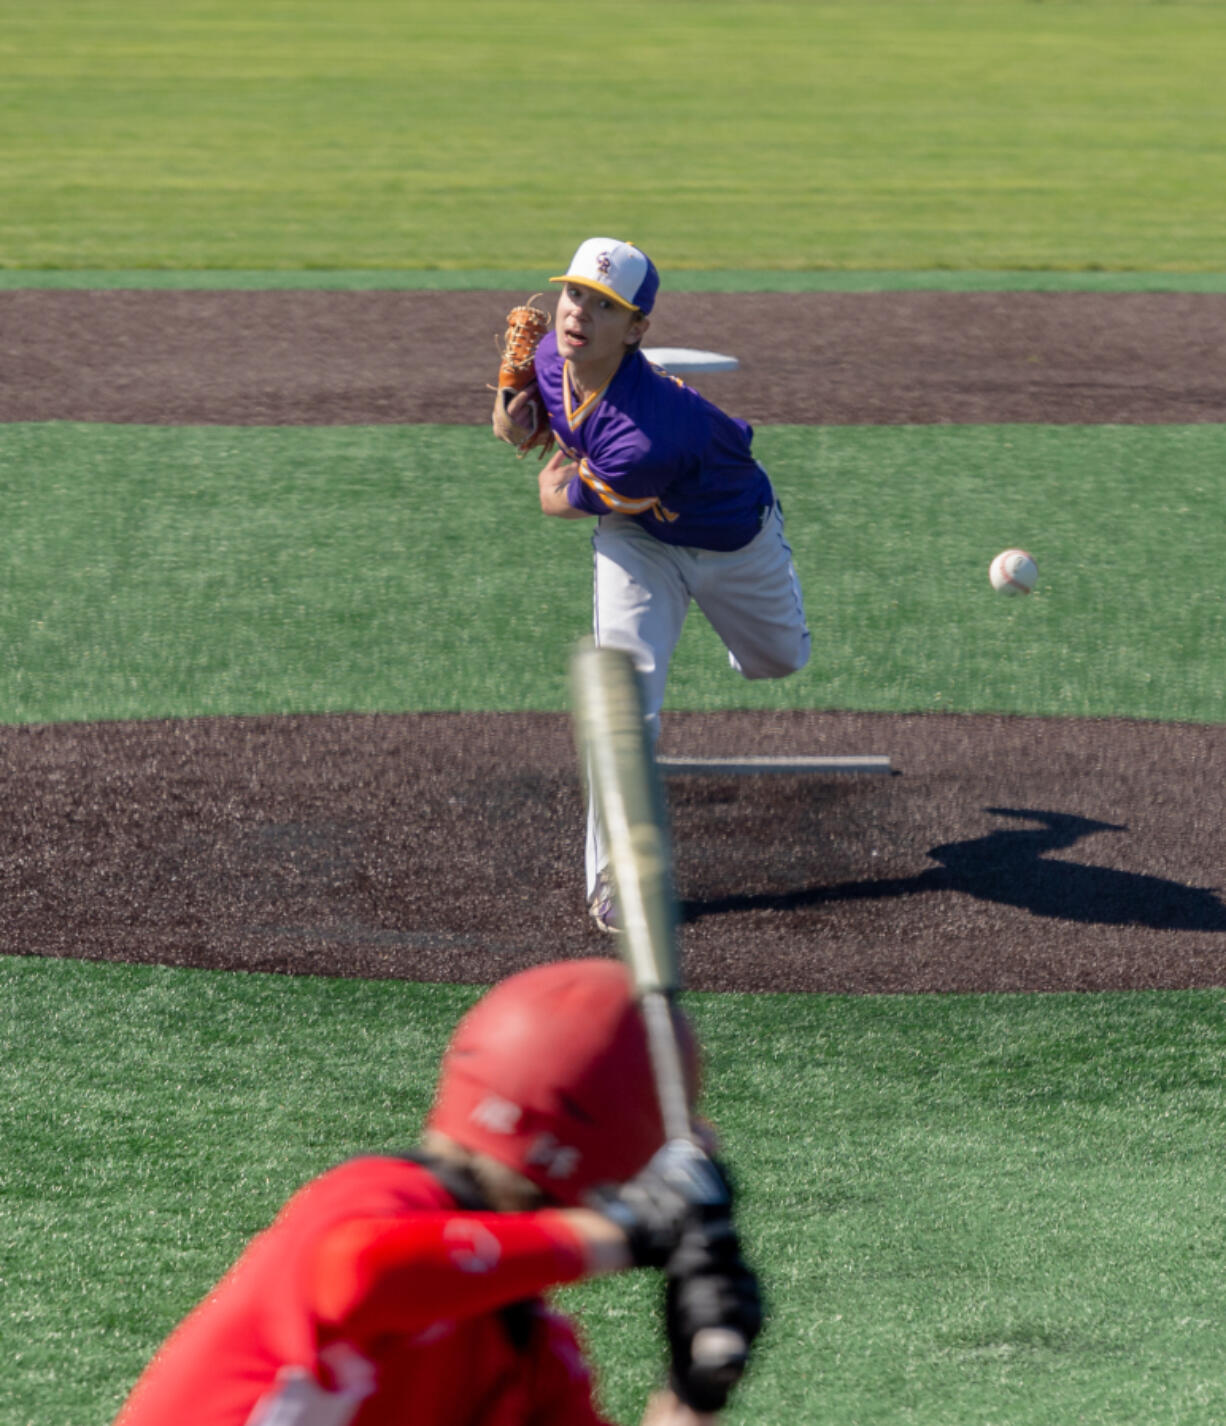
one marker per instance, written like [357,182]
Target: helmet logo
[498,1115]
[558,1160]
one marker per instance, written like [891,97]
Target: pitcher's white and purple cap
[619,270]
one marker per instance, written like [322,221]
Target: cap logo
[498,1115]
[604,264]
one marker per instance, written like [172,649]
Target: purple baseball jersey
[652,448]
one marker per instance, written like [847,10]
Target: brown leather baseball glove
[519,417]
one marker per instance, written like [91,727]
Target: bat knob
[720,1349]
[718,1357]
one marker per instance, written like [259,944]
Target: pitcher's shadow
[1013,867]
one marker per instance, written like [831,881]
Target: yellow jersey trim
[576,415]
[621,504]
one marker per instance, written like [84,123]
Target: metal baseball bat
[619,767]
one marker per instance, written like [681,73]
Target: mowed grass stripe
[171,572]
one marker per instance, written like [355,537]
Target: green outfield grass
[398,133]
[173,572]
[968,1208]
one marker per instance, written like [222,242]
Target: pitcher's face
[593,331]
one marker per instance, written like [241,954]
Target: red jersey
[374,1300]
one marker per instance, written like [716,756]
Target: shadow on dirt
[1013,867]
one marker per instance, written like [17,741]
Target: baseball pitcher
[684,511]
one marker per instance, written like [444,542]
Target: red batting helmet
[550,1074]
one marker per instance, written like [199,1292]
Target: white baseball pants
[642,594]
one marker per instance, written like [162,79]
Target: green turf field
[163,571]
[969,1208]
[970,1211]
[398,133]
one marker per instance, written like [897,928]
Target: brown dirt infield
[1003,854]
[341,358]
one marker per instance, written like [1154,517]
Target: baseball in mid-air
[1013,572]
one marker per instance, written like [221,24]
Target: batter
[398,1290]
[684,512]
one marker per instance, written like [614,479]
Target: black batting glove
[713,1313]
[679,1186]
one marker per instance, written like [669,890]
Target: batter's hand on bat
[713,1300]
[678,1190]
